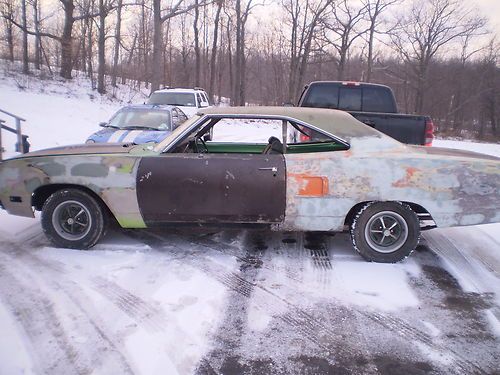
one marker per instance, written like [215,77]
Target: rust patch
[311,186]
[406,180]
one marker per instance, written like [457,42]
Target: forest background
[441,57]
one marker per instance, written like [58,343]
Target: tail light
[429,132]
[304,137]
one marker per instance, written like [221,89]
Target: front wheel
[385,232]
[73,219]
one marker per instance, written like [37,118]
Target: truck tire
[385,232]
[73,219]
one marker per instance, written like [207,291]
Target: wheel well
[352,213]
[41,194]
[421,212]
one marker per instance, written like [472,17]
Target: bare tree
[374,9]
[116,49]
[65,39]
[304,18]
[342,29]
[425,30]
[24,19]
[105,7]
[8,14]
[242,11]
[197,55]
[159,17]
[38,39]
[213,55]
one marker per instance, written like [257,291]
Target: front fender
[112,178]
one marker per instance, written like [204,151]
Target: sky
[491,10]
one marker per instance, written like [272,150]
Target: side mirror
[207,137]
[103,124]
[203,104]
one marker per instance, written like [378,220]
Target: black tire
[73,219]
[385,232]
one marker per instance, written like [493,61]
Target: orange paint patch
[405,181]
[311,186]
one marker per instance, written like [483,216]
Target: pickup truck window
[350,99]
[322,96]
[362,98]
[378,99]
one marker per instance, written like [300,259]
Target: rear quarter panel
[455,190]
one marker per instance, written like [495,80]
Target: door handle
[272,169]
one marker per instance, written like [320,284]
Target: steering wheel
[205,148]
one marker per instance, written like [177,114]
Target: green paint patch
[132,223]
[125,168]
[32,184]
[90,170]
[51,169]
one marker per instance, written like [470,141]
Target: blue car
[139,124]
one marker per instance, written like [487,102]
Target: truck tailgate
[405,128]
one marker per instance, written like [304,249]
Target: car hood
[445,152]
[128,135]
[85,149]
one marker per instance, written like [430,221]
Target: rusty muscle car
[311,170]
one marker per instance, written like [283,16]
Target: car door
[212,188]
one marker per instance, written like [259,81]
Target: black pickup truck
[371,104]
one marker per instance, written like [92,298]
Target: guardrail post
[19,135]
[18,132]
[1,149]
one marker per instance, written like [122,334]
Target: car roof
[349,84]
[150,106]
[189,91]
[335,122]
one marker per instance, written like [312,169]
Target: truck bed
[403,127]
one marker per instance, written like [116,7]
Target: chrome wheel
[386,231]
[71,220]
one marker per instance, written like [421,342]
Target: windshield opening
[179,130]
[173,98]
[134,118]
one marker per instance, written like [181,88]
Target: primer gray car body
[312,191]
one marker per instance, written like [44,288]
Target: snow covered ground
[235,301]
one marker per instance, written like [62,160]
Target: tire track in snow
[145,314]
[142,312]
[43,328]
[295,318]
[104,348]
[298,318]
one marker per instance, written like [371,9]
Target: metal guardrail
[20,138]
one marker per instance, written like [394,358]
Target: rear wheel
[385,232]
[73,219]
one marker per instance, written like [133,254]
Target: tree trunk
[26,67]
[341,65]
[10,39]
[38,39]
[116,52]
[196,44]
[370,54]
[66,40]
[214,52]
[157,45]
[101,49]
[89,52]
[237,58]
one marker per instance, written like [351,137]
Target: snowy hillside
[56,112]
